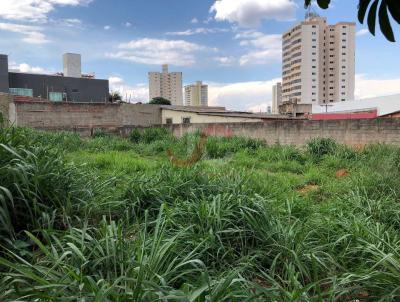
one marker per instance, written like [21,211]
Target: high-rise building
[276,97]
[318,62]
[167,85]
[196,94]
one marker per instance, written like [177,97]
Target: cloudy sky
[232,45]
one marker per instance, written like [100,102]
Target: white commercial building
[318,62]
[276,97]
[196,94]
[167,85]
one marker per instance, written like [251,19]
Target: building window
[75,90]
[313,100]
[343,100]
[168,121]
[186,120]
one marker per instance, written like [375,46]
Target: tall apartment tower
[167,85]
[276,97]
[196,94]
[318,62]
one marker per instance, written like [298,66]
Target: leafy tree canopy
[114,97]
[160,101]
[382,8]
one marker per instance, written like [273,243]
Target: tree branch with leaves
[369,10]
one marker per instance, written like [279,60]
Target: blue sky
[233,45]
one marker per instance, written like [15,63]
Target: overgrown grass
[110,219]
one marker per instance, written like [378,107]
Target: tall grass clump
[149,135]
[319,147]
[219,147]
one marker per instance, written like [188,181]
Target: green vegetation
[378,10]
[160,101]
[110,219]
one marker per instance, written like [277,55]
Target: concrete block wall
[298,132]
[5,100]
[46,115]
[82,117]
[140,114]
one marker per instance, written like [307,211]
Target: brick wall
[297,132]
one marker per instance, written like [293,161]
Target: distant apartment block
[70,86]
[276,97]
[167,85]
[318,62]
[196,94]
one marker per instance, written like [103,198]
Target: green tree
[160,101]
[114,96]
[382,8]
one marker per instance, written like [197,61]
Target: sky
[234,46]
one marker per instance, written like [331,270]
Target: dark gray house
[69,86]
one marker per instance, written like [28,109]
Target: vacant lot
[111,219]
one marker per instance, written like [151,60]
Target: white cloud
[200,30]
[262,48]
[128,24]
[362,32]
[225,61]
[194,21]
[242,95]
[33,10]
[157,51]
[107,27]
[31,34]
[249,13]
[133,93]
[68,22]
[208,20]
[26,68]
[367,87]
